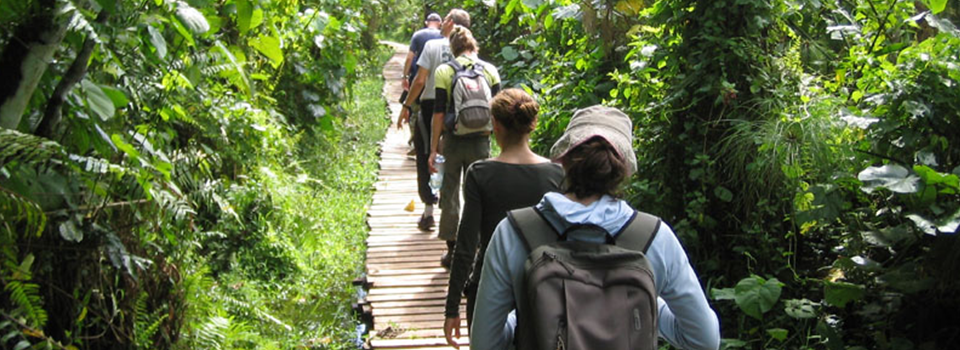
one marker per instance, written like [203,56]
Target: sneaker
[426,222]
[446,260]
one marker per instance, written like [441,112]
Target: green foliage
[807,142]
[206,183]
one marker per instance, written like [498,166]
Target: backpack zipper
[562,263]
[561,334]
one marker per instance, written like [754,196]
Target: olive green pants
[459,153]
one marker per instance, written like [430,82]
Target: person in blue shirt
[597,156]
[419,128]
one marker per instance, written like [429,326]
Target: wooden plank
[429,250]
[410,303]
[410,343]
[408,247]
[373,299]
[400,272]
[407,258]
[420,333]
[419,310]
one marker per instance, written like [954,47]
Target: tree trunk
[26,58]
[54,110]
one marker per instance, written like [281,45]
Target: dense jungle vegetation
[191,174]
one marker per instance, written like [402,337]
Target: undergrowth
[292,289]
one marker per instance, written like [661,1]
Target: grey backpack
[585,296]
[470,112]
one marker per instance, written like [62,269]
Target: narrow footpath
[407,284]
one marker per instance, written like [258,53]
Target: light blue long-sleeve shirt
[686,319]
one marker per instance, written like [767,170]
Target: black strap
[535,231]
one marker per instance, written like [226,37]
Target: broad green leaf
[723,294]
[511,6]
[23,344]
[269,46]
[887,236]
[548,21]
[936,6]
[97,100]
[241,81]
[158,42]
[70,232]
[731,343]
[244,15]
[800,308]
[778,333]
[755,295]
[118,98]
[892,177]
[532,4]
[565,12]
[333,26]
[184,32]
[723,194]
[509,53]
[256,19]
[192,19]
[840,293]
[124,146]
[946,225]
[110,6]
[908,278]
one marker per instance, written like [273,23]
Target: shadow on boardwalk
[407,285]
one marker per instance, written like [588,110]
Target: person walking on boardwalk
[435,52]
[516,178]
[597,156]
[461,145]
[419,130]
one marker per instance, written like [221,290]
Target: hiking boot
[426,222]
[446,260]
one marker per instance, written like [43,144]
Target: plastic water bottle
[436,179]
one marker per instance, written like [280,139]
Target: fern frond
[146,323]
[26,296]
[27,149]
[15,208]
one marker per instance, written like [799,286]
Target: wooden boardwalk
[407,284]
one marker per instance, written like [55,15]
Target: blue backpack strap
[532,227]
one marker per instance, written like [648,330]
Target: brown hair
[515,110]
[593,168]
[459,17]
[461,40]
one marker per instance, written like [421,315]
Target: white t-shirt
[435,53]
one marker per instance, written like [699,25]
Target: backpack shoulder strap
[639,232]
[533,229]
[457,67]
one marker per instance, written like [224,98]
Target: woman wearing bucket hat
[596,152]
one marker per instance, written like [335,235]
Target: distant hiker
[463,90]
[430,31]
[433,53]
[516,178]
[597,156]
